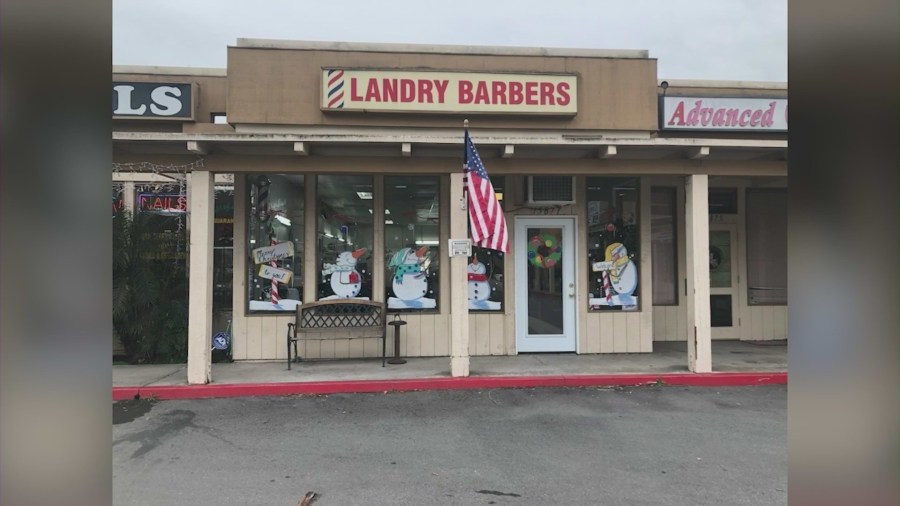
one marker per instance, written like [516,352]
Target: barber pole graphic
[274,289]
[263,204]
[335,89]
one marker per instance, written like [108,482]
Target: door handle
[571,295]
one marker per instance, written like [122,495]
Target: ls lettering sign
[144,100]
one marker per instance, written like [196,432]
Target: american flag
[485,215]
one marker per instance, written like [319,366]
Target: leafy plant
[150,288]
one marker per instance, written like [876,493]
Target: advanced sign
[153,100]
[723,114]
[473,92]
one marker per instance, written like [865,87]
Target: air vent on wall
[550,190]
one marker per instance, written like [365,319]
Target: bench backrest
[340,314]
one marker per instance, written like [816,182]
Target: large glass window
[344,236]
[412,242]
[767,246]
[662,243]
[223,248]
[485,269]
[164,210]
[613,241]
[275,242]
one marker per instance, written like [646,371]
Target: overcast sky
[692,39]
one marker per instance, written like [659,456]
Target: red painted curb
[714,379]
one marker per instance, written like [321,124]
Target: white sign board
[724,114]
[449,92]
[460,247]
[269,253]
[602,266]
[281,275]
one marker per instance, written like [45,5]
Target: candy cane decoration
[606,289]
[274,289]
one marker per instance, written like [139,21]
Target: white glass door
[545,284]
[723,282]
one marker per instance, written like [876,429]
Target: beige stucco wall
[282,86]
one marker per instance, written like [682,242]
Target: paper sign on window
[279,251]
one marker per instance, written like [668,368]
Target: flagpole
[465,201]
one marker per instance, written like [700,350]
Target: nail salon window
[613,242]
[223,248]
[275,242]
[485,267]
[344,236]
[412,242]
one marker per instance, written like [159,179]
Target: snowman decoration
[345,280]
[409,282]
[623,275]
[619,273]
[479,288]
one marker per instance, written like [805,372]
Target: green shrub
[150,287]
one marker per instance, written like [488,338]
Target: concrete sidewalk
[668,359]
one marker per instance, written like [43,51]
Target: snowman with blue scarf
[409,282]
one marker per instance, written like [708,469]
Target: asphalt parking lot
[632,446]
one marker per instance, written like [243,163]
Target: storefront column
[200,205]
[459,302]
[696,210]
[128,195]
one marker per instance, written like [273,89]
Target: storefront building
[638,210]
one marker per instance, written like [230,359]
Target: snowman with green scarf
[409,282]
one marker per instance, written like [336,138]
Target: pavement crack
[172,424]
[494,492]
[164,377]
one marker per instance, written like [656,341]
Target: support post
[459,302]
[696,210]
[200,282]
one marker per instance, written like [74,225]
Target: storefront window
[275,242]
[485,269]
[164,211]
[662,241]
[767,246]
[723,201]
[223,248]
[344,236]
[412,242]
[613,242]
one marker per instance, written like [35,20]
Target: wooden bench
[351,314]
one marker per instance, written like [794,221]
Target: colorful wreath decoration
[544,251]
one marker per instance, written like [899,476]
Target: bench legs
[289,340]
